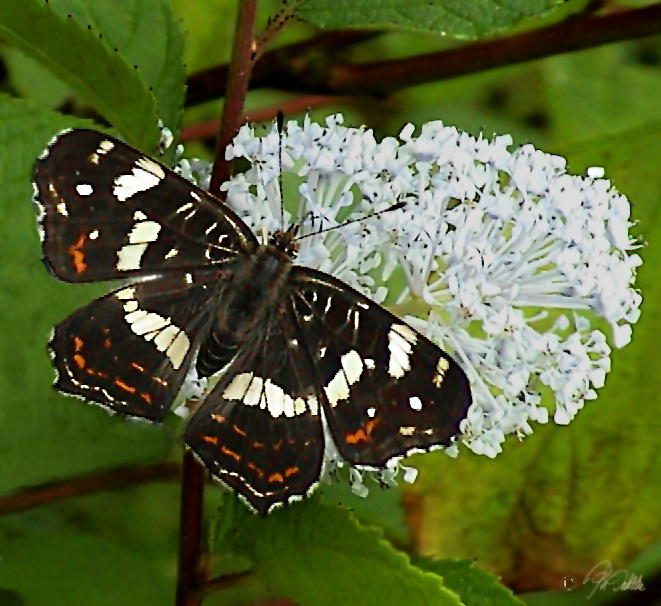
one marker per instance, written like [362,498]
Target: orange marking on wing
[218,418]
[210,439]
[290,471]
[238,430]
[79,360]
[138,367]
[77,255]
[124,386]
[77,343]
[354,438]
[362,435]
[256,469]
[146,397]
[230,453]
[276,477]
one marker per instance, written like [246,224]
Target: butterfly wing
[109,211]
[259,431]
[130,350]
[388,390]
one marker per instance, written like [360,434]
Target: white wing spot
[145,175]
[415,403]
[238,386]
[138,215]
[165,337]
[171,253]
[143,322]
[152,327]
[252,391]
[194,195]
[185,207]
[126,293]
[62,209]
[369,363]
[105,146]
[337,389]
[407,431]
[130,255]
[371,412]
[299,406]
[84,189]
[353,366]
[401,339]
[273,399]
[94,234]
[145,231]
[253,394]
[441,368]
[178,350]
[313,405]
[130,306]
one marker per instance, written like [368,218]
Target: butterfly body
[298,348]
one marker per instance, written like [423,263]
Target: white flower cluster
[502,258]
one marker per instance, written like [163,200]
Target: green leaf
[147,35]
[596,84]
[475,586]
[102,549]
[44,435]
[81,59]
[456,18]
[319,555]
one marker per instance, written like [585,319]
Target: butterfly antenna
[280,120]
[397,206]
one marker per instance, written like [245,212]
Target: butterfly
[299,350]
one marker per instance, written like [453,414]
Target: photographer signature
[603,577]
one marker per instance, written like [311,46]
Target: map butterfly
[299,349]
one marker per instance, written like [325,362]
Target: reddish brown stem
[265,114]
[238,77]
[190,531]
[297,68]
[191,574]
[108,480]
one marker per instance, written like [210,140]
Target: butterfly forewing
[260,431]
[130,350]
[109,212]
[389,389]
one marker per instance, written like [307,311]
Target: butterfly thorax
[254,291]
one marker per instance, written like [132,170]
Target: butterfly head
[284,241]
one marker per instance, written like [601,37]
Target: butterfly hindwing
[389,389]
[109,211]
[130,350]
[260,431]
